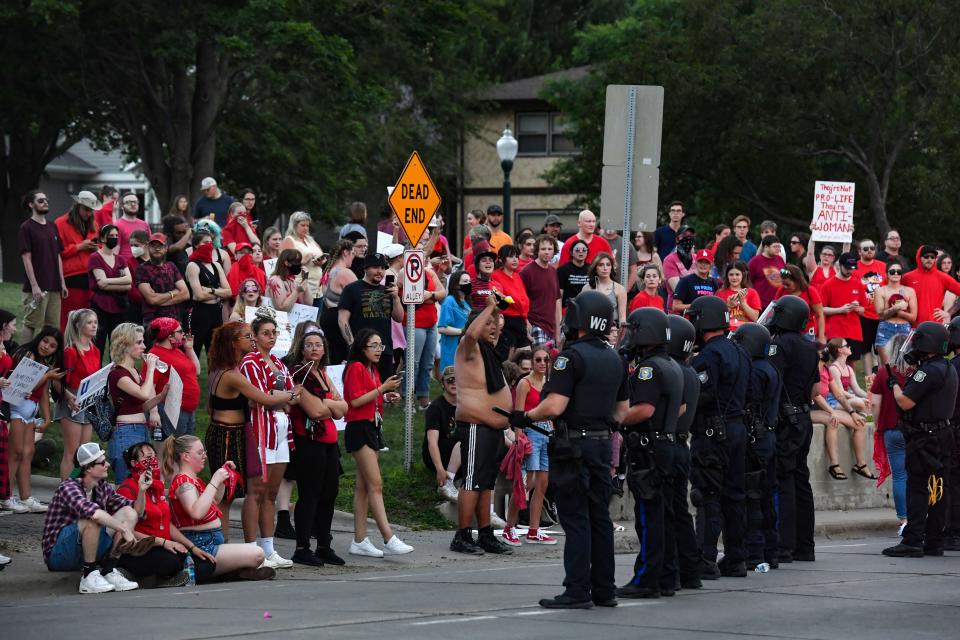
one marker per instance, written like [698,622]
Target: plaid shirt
[70,504]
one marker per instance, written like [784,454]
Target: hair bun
[265,313]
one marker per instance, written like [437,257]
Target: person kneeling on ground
[195,512]
[89,526]
[441,448]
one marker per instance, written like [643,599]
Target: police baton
[532,425]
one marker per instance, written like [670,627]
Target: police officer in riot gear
[656,398]
[587,391]
[682,551]
[718,451]
[762,411]
[951,532]
[927,402]
[795,359]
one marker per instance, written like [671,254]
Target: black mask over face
[111,243]
[685,248]
[294,269]
[465,289]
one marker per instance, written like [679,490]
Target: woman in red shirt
[81,358]
[193,504]
[649,295]
[8,327]
[317,463]
[506,280]
[742,301]
[365,395]
[793,283]
[175,349]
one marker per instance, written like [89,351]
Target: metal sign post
[413,291]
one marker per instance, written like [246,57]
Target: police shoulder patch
[919,376]
[704,376]
[645,373]
[561,363]
[772,351]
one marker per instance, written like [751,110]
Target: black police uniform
[718,452]
[951,531]
[763,409]
[795,358]
[682,550]
[656,380]
[929,436]
[594,378]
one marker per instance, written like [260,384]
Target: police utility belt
[792,412]
[756,423]
[592,434]
[712,427]
[927,427]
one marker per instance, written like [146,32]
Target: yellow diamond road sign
[415,199]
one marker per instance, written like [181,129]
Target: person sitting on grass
[441,447]
[195,513]
[89,526]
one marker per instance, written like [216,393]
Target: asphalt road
[851,592]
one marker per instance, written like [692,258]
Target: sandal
[836,472]
[861,470]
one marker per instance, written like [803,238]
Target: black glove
[891,379]
[519,420]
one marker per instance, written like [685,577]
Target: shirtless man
[481,386]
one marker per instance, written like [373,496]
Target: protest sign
[92,386]
[336,377]
[171,405]
[284,331]
[269,265]
[22,381]
[833,212]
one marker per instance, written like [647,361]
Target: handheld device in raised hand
[389,280]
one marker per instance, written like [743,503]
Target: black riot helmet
[594,313]
[708,313]
[754,338]
[789,313]
[929,338]
[683,337]
[570,320]
[954,330]
[646,327]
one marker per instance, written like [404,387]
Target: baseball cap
[848,260]
[242,245]
[684,229]
[391,251]
[157,237]
[928,250]
[374,260]
[206,183]
[552,219]
[704,254]
[447,372]
[89,452]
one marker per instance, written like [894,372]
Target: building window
[543,134]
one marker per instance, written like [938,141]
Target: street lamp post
[507,151]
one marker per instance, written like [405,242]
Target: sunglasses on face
[894,272]
[544,359]
[41,201]
[450,380]
[100,463]
[868,248]
[795,242]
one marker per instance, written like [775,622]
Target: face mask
[685,246]
[465,289]
[136,251]
[141,466]
[295,269]
[111,243]
[176,343]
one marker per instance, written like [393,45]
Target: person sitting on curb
[441,448]
[89,526]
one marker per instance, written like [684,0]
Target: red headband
[163,328]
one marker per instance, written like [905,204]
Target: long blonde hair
[75,320]
[173,448]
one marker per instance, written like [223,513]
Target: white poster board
[335,372]
[284,331]
[22,381]
[301,313]
[832,211]
[174,399]
[383,239]
[269,265]
[92,386]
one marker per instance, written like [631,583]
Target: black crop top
[217,403]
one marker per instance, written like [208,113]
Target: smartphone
[389,280]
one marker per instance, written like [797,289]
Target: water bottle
[191,571]
[763,567]
[162,367]
[158,433]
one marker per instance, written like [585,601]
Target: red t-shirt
[512,286]
[181,517]
[424,315]
[873,276]
[187,371]
[737,317]
[597,245]
[888,416]
[644,299]
[812,297]
[104,215]
[543,290]
[83,363]
[358,380]
[817,279]
[836,293]
[156,510]
[765,277]
[328,433]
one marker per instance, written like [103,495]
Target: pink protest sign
[833,211]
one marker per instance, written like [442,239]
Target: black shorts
[360,433]
[857,349]
[479,445]
[869,328]
[515,332]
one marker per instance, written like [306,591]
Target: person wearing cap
[699,283]
[844,301]
[484,262]
[368,304]
[679,263]
[209,289]
[552,226]
[161,285]
[586,231]
[498,237]
[930,284]
[128,221]
[213,203]
[175,348]
[78,234]
[89,525]
[40,247]
[440,451]
[239,229]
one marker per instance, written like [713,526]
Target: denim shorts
[886,331]
[26,410]
[832,401]
[538,460]
[209,540]
[67,552]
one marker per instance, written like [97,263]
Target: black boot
[284,529]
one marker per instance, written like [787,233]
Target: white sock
[450,476]
[267,545]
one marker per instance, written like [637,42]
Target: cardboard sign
[92,386]
[833,211]
[414,199]
[22,381]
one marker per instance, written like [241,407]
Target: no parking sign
[413,277]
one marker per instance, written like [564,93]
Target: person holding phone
[288,285]
[742,301]
[365,395]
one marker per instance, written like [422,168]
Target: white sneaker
[14,505]
[497,522]
[95,583]
[365,548]
[34,505]
[396,547]
[275,561]
[4,560]
[119,582]
[449,492]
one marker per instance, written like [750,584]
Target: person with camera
[656,402]
[927,402]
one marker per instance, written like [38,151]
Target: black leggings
[203,320]
[318,483]
[156,562]
[106,323]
